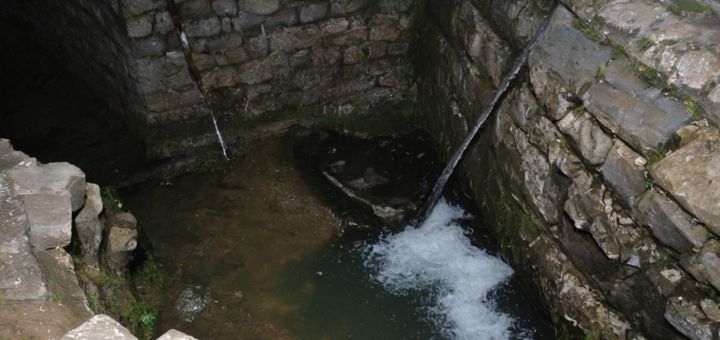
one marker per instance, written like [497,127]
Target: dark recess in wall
[53,113]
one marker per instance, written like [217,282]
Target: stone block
[226,24]
[262,7]
[352,37]
[121,229]
[295,38]
[334,26]
[50,219]
[152,46]
[102,327]
[256,46]
[247,21]
[51,178]
[286,17]
[354,55]
[89,233]
[261,70]
[641,125]
[195,10]
[688,319]
[542,132]
[384,28]
[668,223]
[219,77]
[163,22]
[398,48]
[162,101]
[566,56]
[344,7]
[394,5]
[202,28]
[175,335]
[691,175]
[311,12]
[135,7]
[592,141]
[709,259]
[624,171]
[224,7]
[325,55]
[92,197]
[139,26]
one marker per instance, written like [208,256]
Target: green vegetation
[110,199]
[506,52]
[693,6]
[644,44]
[618,51]
[694,109]
[142,319]
[579,110]
[599,296]
[652,157]
[589,32]
[150,273]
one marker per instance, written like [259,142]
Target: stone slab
[624,171]
[51,178]
[644,126]
[262,7]
[688,319]
[692,175]
[99,327]
[20,274]
[175,335]
[50,219]
[669,223]
[593,143]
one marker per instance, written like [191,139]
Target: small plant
[618,52]
[599,296]
[694,6]
[142,319]
[644,44]
[506,52]
[93,302]
[579,110]
[652,157]
[110,199]
[150,273]
[589,32]
[694,109]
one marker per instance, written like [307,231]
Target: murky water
[255,254]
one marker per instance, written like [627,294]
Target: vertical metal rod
[445,176]
[194,73]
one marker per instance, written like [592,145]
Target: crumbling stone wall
[261,59]
[597,171]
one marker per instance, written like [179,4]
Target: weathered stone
[52,178]
[670,224]
[665,278]
[325,56]
[343,7]
[294,38]
[140,26]
[711,309]
[351,37]
[586,209]
[384,28]
[260,70]
[691,175]
[92,197]
[195,10]
[226,24]
[89,233]
[624,170]
[398,48]
[593,143]
[311,12]
[688,319]
[224,43]
[203,27]
[135,7]
[257,46]
[163,22]
[394,5]
[224,7]
[567,56]
[523,108]
[121,229]
[247,21]
[709,258]
[219,77]
[334,26]
[102,327]
[286,17]
[354,55]
[175,335]
[20,274]
[237,56]
[159,102]
[191,97]
[152,46]
[642,125]
[262,7]
[49,216]
[543,133]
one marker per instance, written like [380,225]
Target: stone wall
[597,172]
[262,61]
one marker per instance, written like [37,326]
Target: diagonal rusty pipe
[194,73]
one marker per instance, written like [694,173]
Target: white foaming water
[438,258]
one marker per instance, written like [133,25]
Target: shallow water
[259,248]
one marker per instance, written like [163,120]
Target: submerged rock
[190,303]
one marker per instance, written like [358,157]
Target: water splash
[438,258]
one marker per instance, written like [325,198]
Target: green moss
[589,32]
[694,6]
[644,44]
[150,273]
[694,109]
[618,51]
[652,157]
[110,199]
